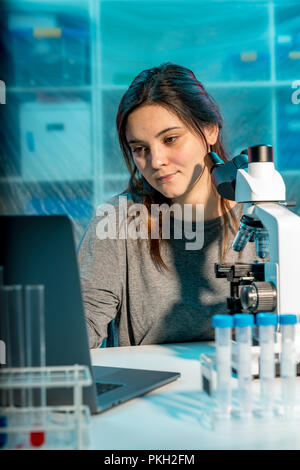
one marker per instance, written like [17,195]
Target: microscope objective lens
[262,244]
[243,236]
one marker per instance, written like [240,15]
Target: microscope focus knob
[259,297]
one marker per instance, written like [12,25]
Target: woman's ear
[211,133]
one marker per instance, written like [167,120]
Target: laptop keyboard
[103,388]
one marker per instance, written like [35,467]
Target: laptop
[40,249]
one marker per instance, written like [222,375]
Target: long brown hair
[175,87]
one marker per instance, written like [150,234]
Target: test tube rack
[53,427]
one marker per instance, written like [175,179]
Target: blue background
[68,63]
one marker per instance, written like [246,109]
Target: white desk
[171,417]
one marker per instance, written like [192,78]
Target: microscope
[270,286]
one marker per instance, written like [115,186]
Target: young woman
[152,289]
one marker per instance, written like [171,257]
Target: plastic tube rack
[44,427]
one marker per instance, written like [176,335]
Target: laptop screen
[40,249]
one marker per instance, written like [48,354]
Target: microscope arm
[284,231]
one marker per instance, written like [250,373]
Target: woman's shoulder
[119,216]
[236,209]
[116,203]
[105,228]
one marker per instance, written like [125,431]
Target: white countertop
[175,416]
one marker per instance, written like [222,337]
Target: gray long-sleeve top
[120,282]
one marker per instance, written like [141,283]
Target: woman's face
[165,151]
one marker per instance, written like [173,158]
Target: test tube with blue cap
[223,327]
[288,362]
[243,323]
[266,323]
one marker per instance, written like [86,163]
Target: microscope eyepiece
[215,160]
[223,174]
[260,153]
